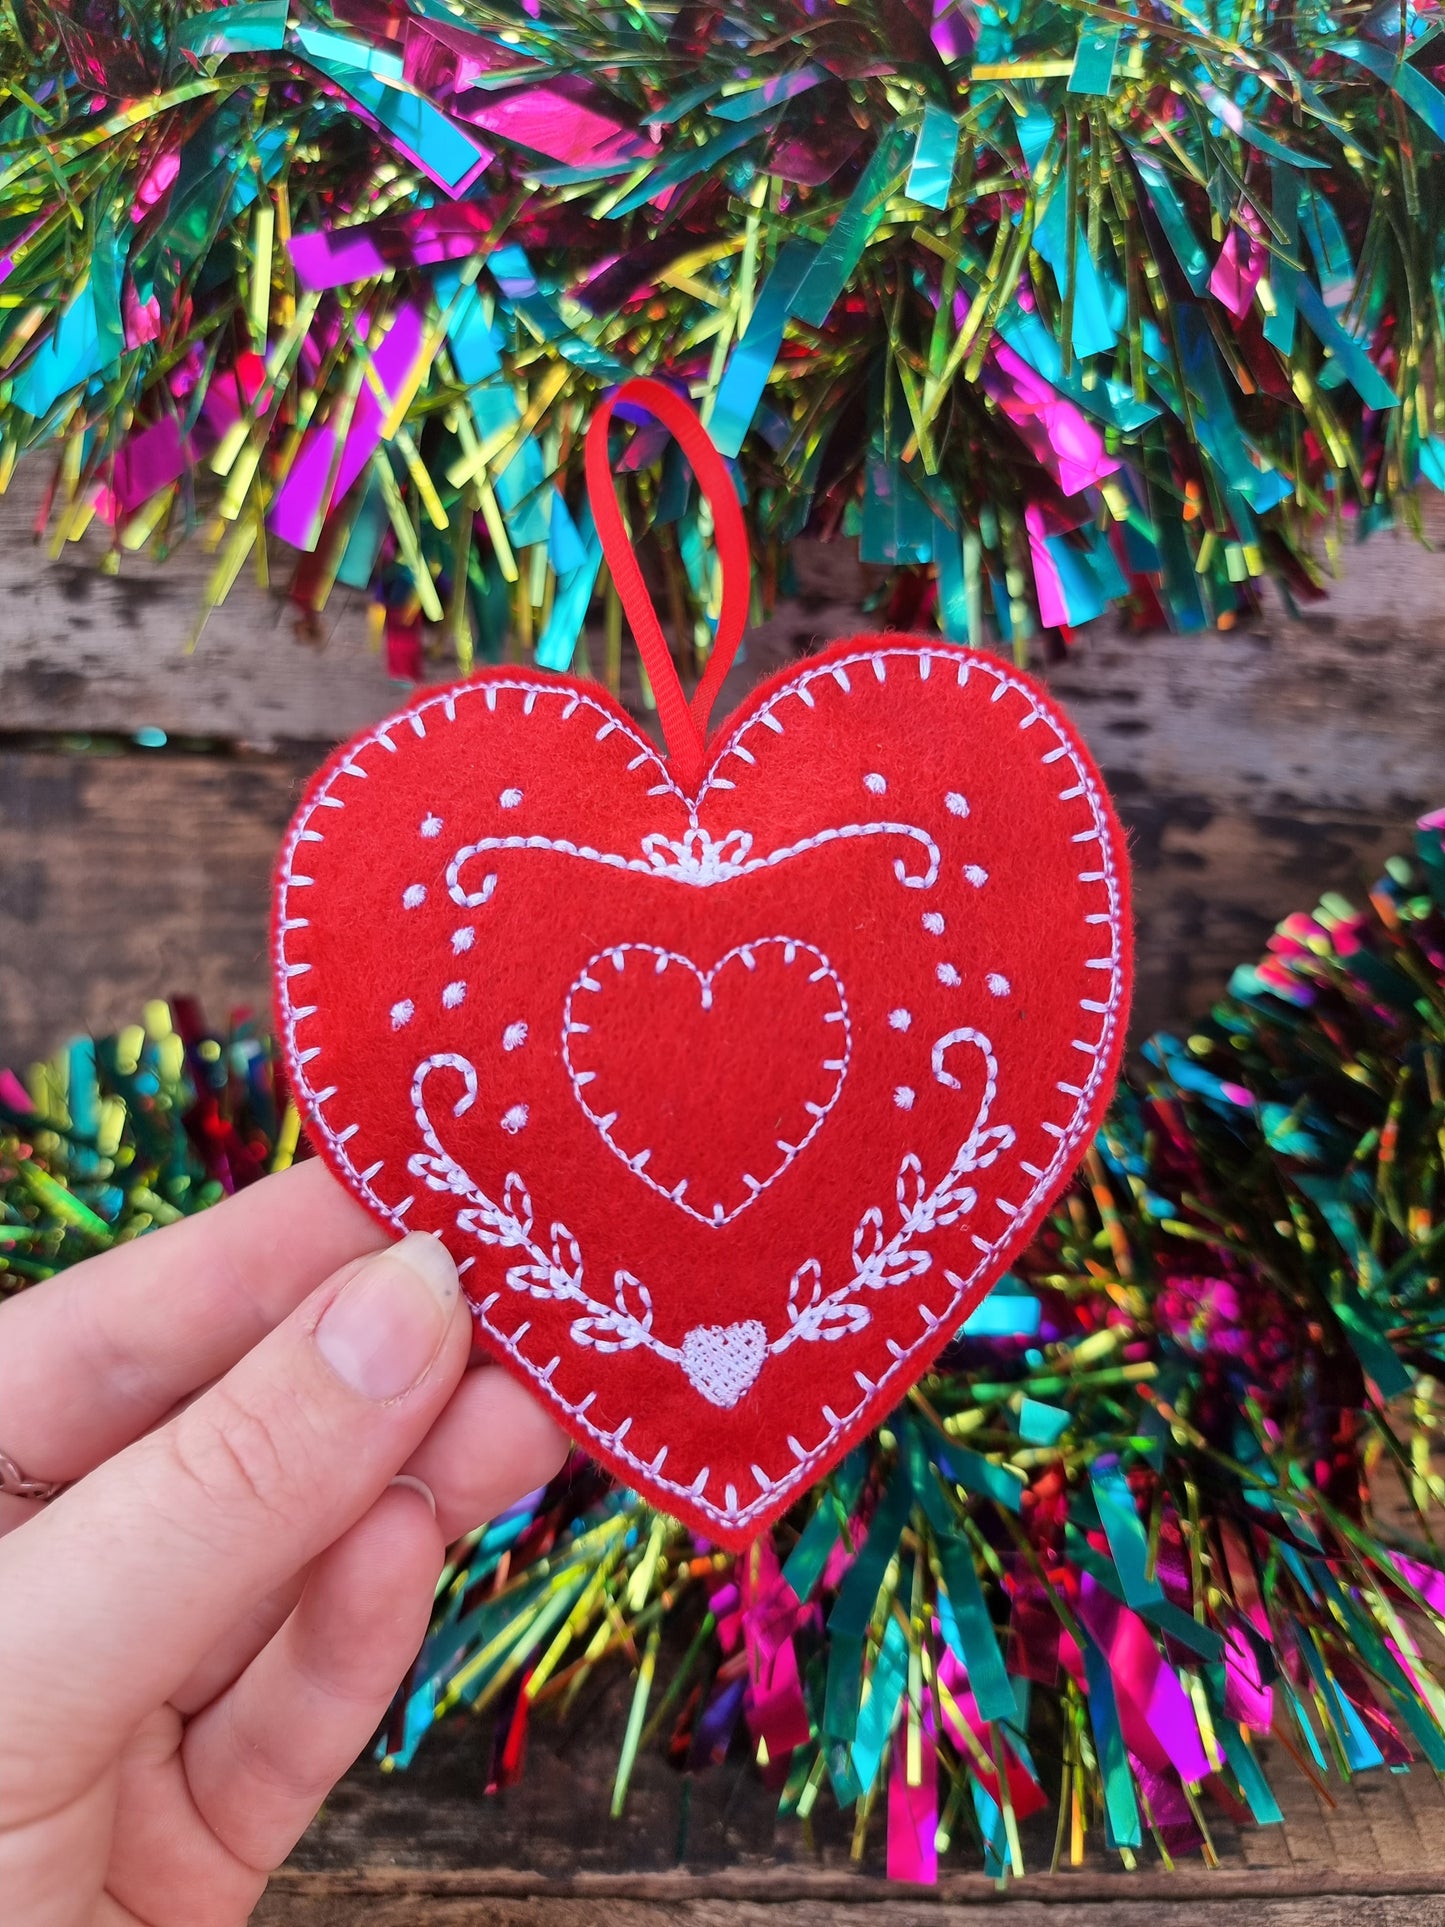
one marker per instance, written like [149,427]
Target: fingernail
[410,1483]
[384,1328]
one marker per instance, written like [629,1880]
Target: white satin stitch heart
[721,1361]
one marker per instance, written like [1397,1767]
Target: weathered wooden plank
[128,877]
[121,877]
[433,1833]
[1185,1884]
[1254,769]
[148,873]
[83,651]
[1227,1896]
[288,1908]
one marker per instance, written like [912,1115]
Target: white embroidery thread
[696,858]
[767,731]
[588,983]
[556,1272]
[880,1262]
[722,1361]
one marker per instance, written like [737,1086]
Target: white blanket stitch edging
[923,657]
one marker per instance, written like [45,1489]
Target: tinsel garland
[1054,305]
[1122,1533]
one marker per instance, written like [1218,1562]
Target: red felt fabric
[861,997]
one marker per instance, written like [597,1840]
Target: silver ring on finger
[15,1485]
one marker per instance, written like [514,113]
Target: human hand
[201,1633]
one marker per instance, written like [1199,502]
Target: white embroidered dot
[413,895]
[947,974]
[463,939]
[875,783]
[402,1013]
[509,799]
[514,1036]
[933,923]
[957,805]
[431,825]
[903,1098]
[515,1119]
[453,994]
[999,985]
[977,876]
[900,1019]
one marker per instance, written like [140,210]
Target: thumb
[112,1596]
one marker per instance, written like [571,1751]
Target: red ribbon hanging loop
[683,725]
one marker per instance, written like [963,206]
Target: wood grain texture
[1373,1857]
[80,650]
[128,877]
[286,1907]
[83,651]
[1253,771]
[713,1848]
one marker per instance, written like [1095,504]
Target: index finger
[97,1355]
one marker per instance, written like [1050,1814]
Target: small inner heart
[658,1050]
[721,1361]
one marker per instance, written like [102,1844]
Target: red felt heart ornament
[733,1080]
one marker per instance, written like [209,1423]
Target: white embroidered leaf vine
[879,1263]
[551,1275]
[621,1328]
[880,1259]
